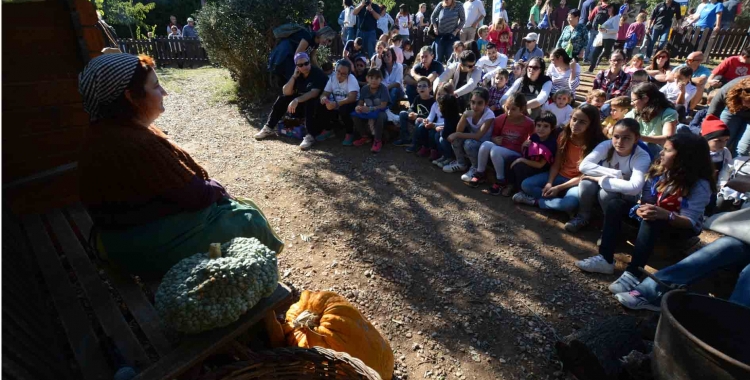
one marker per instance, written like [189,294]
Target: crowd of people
[639,147]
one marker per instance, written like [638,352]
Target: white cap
[190,19]
[531,37]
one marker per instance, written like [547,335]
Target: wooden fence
[180,52]
[717,45]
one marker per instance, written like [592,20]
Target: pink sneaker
[423,152]
[434,154]
[362,141]
[376,146]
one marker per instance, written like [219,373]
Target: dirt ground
[462,284]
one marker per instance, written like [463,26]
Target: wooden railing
[717,45]
[178,52]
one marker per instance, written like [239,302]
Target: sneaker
[523,198]
[466,177]
[411,149]
[264,133]
[476,179]
[423,152]
[453,167]
[596,264]
[325,135]
[402,142]
[634,300]
[376,146]
[442,161]
[495,189]
[362,141]
[307,142]
[434,154]
[348,140]
[624,284]
[575,224]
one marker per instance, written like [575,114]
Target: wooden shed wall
[45,45]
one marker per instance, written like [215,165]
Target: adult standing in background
[660,23]
[586,9]
[319,21]
[420,16]
[403,20]
[474,12]
[574,37]
[189,29]
[731,8]
[535,14]
[447,19]
[503,13]
[608,30]
[367,21]
[560,15]
[385,22]
[710,16]
[172,22]
[350,21]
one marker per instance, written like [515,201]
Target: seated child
[717,134]
[619,106]
[497,91]
[597,98]
[537,155]
[458,48]
[450,108]
[396,46]
[636,63]
[681,91]
[474,128]
[483,32]
[509,132]
[424,140]
[560,107]
[504,45]
[695,124]
[369,115]
[409,56]
[419,110]
[376,62]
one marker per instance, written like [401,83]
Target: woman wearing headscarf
[152,205]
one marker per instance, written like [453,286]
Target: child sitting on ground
[376,62]
[509,132]
[497,91]
[424,140]
[695,124]
[619,106]
[369,117]
[538,153]
[396,46]
[681,91]
[409,56]
[419,110]
[450,109]
[597,98]
[458,48]
[483,32]
[717,134]
[474,129]
[560,107]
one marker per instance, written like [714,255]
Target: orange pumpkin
[328,320]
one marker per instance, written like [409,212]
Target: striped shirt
[561,79]
[448,20]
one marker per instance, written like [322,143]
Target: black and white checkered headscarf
[104,80]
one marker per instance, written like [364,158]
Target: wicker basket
[294,363]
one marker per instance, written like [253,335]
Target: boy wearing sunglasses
[419,110]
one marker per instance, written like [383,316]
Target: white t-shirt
[562,114]
[487,115]
[473,11]
[395,76]
[403,25]
[487,65]
[418,18]
[341,90]
[672,91]
[621,174]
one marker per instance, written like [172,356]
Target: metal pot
[701,337]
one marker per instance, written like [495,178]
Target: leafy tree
[125,12]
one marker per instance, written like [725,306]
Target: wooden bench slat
[140,307]
[107,311]
[81,336]
[197,347]
[27,352]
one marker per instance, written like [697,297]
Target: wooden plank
[81,336]
[41,93]
[107,311]
[197,347]
[35,357]
[29,121]
[142,310]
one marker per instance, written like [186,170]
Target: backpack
[286,30]
[600,17]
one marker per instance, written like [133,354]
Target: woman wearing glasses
[280,61]
[656,114]
[614,81]
[659,68]
[535,85]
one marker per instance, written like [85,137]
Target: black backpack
[601,16]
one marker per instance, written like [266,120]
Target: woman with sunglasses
[280,61]
[535,85]
[659,68]
[464,75]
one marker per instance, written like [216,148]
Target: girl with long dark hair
[655,113]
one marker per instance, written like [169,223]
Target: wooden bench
[95,302]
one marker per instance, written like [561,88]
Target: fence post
[711,43]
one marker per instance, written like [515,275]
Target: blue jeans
[424,137]
[590,46]
[444,146]
[661,36]
[403,120]
[466,149]
[396,94]
[739,137]
[443,46]
[649,233]
[349,34]
[368,40]
[726,252]
[567,203]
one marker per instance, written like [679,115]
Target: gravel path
[464,285]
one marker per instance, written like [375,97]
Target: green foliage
[202,293]
[238,35]
[125,12]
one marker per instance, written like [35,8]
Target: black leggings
[599,52]
[344,113]
[308,109]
